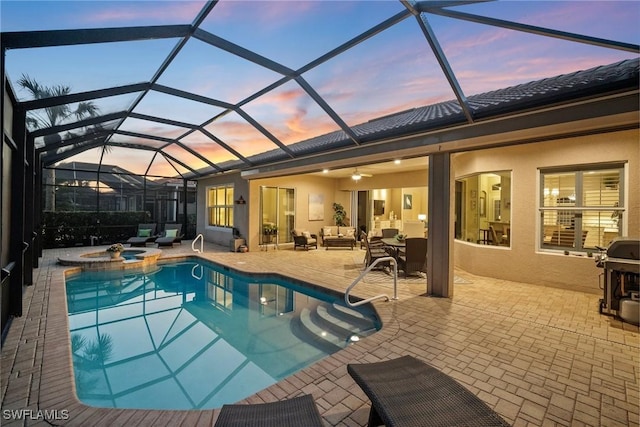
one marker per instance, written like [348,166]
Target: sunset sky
[393,71]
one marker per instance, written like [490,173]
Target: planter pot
[115,255]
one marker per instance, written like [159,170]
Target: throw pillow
[144,232]
[171,233]
[326,231]
[306,234]
[350,232]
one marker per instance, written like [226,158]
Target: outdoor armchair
[304,239]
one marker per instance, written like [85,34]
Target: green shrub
[63,229]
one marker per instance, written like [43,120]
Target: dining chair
[414,257]
[389,232]
[374,252]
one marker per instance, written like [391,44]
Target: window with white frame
[581,207]
[220,205]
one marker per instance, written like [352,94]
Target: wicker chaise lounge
[407,392]
[172,234]
[146,234]
[295,412]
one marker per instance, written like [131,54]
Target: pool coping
[90,262]
[57,386]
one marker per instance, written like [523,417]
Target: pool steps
[334,325]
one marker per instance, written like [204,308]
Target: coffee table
[339,242]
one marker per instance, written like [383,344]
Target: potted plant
[401,237]
[269,230]
[115,250]
[339,214]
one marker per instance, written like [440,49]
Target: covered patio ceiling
[190,89]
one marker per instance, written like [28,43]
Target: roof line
[444,65]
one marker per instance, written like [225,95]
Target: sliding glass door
[277,214]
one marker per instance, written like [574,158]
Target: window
[483,208]
[220,205]
[581,208]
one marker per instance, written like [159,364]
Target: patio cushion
[144,232]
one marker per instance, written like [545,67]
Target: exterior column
[17,244]
[439,243]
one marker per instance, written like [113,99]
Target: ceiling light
[356,176]
[325,170]
[396,161]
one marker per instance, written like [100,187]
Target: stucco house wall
[524,261]
[222,235]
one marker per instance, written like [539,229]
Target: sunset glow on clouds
[390,72]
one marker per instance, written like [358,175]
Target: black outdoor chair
[296,412]
[389,232]
[407,392]
[414,257]
[374,252]
[172,234]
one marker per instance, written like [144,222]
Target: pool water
[195,335]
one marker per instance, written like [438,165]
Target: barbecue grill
[621,264]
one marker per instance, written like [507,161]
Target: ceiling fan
[356,176]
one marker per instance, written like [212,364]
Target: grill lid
[625,248]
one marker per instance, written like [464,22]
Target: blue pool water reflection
[195,336]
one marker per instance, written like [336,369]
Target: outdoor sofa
[338,237]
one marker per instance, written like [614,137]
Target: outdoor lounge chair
[296,412]
[146,234]
[407,392]
[172,234]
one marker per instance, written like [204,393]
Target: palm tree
[53,116]
[50,117]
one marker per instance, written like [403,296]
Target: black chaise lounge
[296,412]
[146,234]
[406,392]
[172,234]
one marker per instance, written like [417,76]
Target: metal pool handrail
[364,273]
[193,272]
[193,244]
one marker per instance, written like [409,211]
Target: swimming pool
[195,335]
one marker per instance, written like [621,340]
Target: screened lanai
[189,89]
[118,113]
[167,93]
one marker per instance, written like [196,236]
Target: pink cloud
[146,12]
[265,14]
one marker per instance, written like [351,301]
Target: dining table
[395,244]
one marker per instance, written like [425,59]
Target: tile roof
[535,94]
